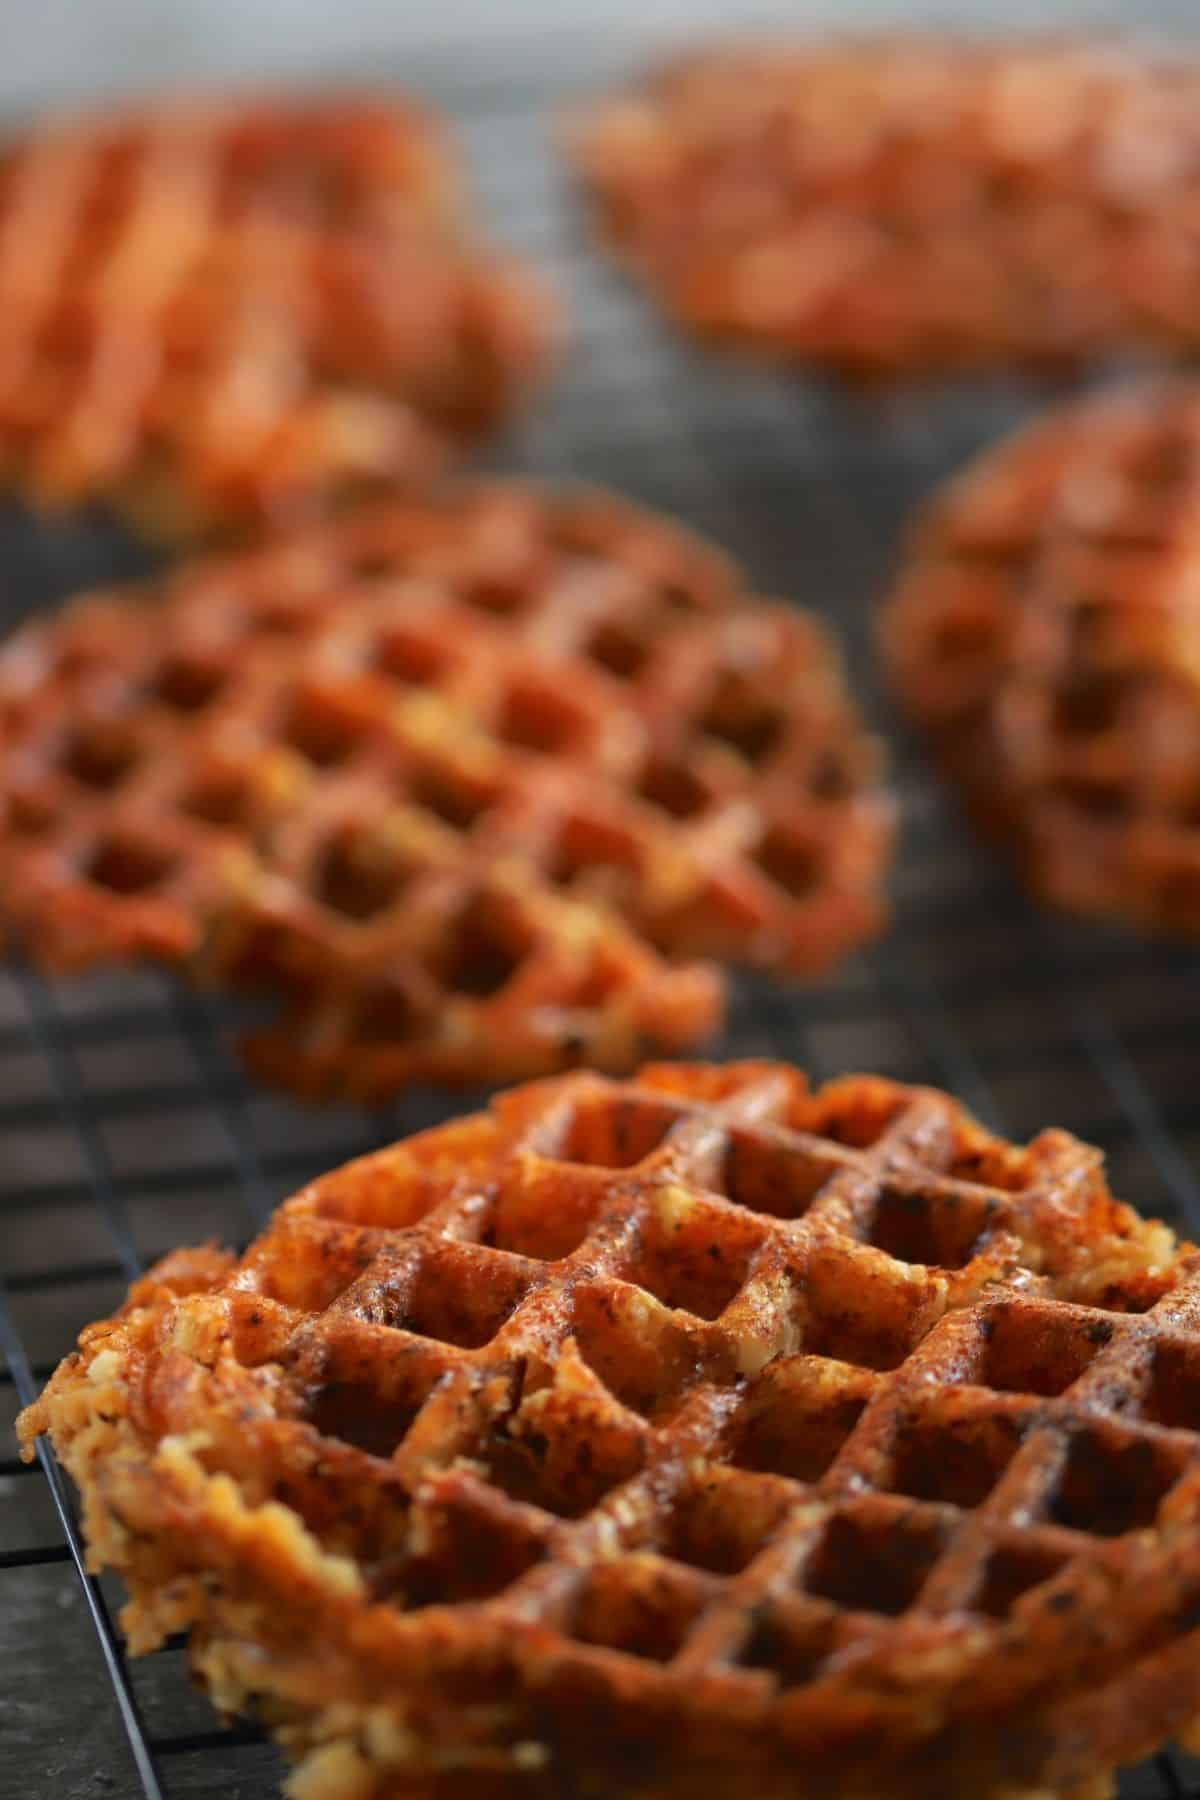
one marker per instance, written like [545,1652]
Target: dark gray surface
[66,47]
[119,1102]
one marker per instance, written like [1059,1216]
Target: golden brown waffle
[220,313]
[696,1435]
[1046,632]
[890,205]
[440,774]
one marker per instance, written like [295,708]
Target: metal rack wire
[127,1127]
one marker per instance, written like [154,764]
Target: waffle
[224,313]
[698,1435]
[888,206]
[1044,632]
[451,777]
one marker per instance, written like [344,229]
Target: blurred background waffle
[222,314]
[127,1127]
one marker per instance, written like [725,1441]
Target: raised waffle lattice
[894,204]
[698,1434]
[1045,632]
[220,313]
[413,770]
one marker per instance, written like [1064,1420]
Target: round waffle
[220,313]
[890,205]
[700,1434]
[1044,632]
[450,776]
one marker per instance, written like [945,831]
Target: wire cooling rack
[126,1126]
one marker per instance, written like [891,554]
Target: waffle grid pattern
[128,1125]
[437,775]
[704,1372]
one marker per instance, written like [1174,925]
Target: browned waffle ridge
[889,205]
[224,312]
[698,1434]
[1046,632]
[441,774]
